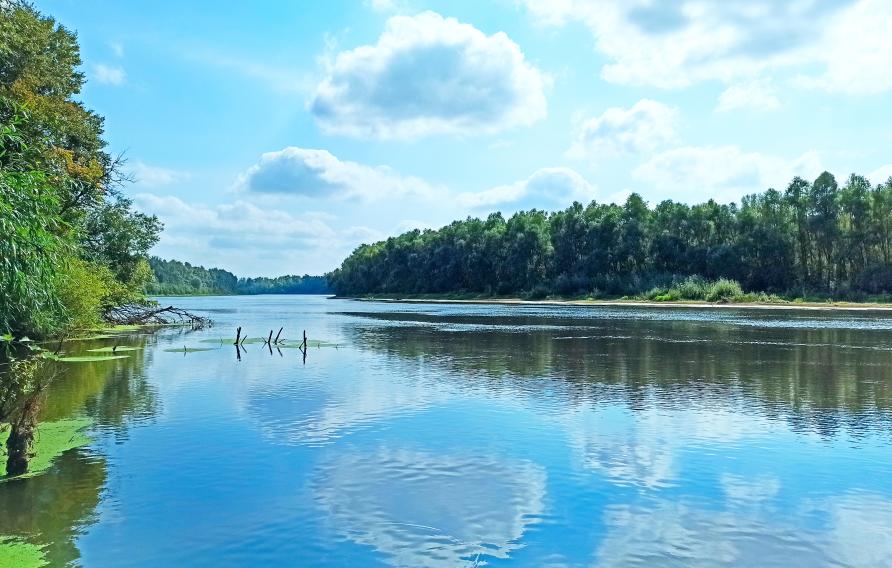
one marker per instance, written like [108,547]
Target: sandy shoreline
[813,306]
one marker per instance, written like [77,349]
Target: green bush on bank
[696,288]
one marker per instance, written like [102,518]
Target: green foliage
[693,288]
[72,247]
[120,238]
[813,238]
[29,252]
[83,288]
[172,277]
[723,290]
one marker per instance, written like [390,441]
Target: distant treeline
[812,238]
[173,277]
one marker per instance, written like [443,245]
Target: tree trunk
[18,447]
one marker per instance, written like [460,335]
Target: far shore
[815,306]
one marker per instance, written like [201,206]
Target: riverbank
[223,294]
[581,302]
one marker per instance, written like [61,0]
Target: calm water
[443,435]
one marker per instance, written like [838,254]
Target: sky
[274,137]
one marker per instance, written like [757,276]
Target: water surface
[449,435]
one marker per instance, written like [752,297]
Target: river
[450,435]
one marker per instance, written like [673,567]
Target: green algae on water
[16,553]
[51,439]
[120,327]
[91,337]
[89,358]
[118,349]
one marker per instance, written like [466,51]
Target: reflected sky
[425,509]
[440,435]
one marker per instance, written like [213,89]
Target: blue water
[451,435]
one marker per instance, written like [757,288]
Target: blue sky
[274,137]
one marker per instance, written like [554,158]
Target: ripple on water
[419,508]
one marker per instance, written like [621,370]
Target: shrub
[539,292]
[723,290]
[82,287]
[653,293]
[693,288]
[667,297]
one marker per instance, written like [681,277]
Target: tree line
[812,238]
[172,277]
[72,247]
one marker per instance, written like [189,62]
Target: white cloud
[238,221]
[839,45]
[881,174]
[753,95]
[318,173]
[724,173]
[856,51]
[108,75]
[155,176]
[644,127]
[429,75]
[546,187]
[248,237]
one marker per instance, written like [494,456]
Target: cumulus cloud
[752,95]
[262,240]
[546,187]
[155,176]
[318,173]
[856,51]
[429,75]
[881,174]
[108,75]
[722,172]
[644,127]
[241,220]
[838,45]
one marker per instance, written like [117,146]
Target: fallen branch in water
[136,314]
